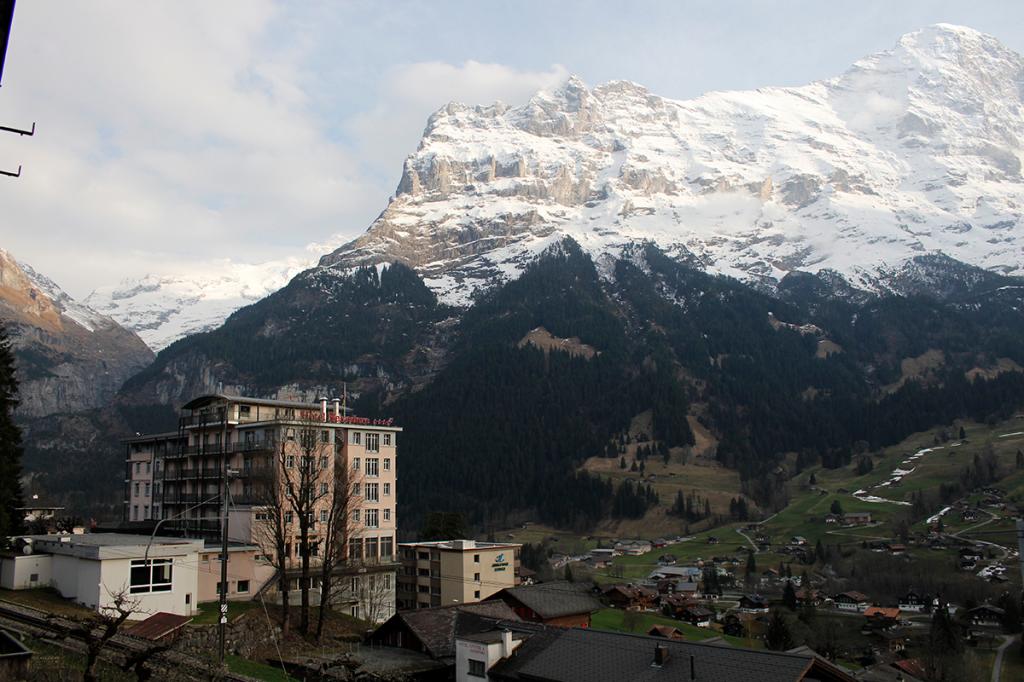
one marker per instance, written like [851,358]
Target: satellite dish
[26,549]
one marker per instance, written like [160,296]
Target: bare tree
[272,529]
[335,532]
[307,486]
[97,630]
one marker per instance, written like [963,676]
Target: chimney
[336,402]
[660,655]
[506,643]
[323,409]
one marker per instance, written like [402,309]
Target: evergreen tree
[813,480]
[963,434]
[836,508]
[819,551]
[568,574]
[10,444]
[789,596]
[750,574]
[622,462]
[777,636]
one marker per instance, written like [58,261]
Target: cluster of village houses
[461,605]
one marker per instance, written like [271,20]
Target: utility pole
[226,492]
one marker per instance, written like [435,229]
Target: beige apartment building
[177,481]
[451,572]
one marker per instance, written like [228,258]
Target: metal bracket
[19,131]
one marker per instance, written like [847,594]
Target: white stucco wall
[16,572]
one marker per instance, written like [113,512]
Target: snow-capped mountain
[68,356]
[162,308]
[912,151]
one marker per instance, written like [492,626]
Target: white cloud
[408,94]
[167,132]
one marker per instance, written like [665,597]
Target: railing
[190,498]
[201,420]
[227,448]
[193,472]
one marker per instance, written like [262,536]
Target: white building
[476,654]
[92,568]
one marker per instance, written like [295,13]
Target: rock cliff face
[68,356]
[916,150]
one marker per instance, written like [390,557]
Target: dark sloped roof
[436,628]
[582,655]
[158,625]
[554,599]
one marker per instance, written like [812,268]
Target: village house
[881,618]
[602,554]
[158,574]
[687,573]
[753,603]
[986,614]
[633,547]
[913,601]
[808,597]
[672,605]
[558,603]
[851,601]
[576,654]
[635,597]
[857,518]
[666,632]
[697,615]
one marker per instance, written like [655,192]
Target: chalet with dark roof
[556,603]
[631,596]
[433,630]
[583,655]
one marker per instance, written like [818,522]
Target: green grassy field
[209,611]
[612,619]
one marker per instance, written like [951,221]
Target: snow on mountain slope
[913,150]
[162,308]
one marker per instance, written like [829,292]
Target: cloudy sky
[171,133]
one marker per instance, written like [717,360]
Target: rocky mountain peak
[913,150]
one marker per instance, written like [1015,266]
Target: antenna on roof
[6,19]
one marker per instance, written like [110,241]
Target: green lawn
[46,599]
[260,671]
[209,611]
[612,619]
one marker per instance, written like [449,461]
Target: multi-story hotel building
[177,481]
[451,572]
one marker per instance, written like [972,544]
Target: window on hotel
[135,512]
[323,488]
[290,434]
[476,577]
[136,487]
[372,466]
[387,464]
[244,409]
[147,490]
[148,467]
[372,442]
[289,461]
[323,461]
[387,513]
[356,438]
[323,516]
[150,575]
[156,511]
[372,492]
[325,436]
[138,467]
[355,551]
[355,515]
[387,489]
[355,464]
[387,439]
[476,558]
[288,517]
[476,668]
[371,549]
[243,587]
[387,547]
[372,518]
[476,594]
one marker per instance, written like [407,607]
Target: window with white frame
[387,439]
[355,515]
[387,489]
[325,436]
[387,513]
[323,461]
[355,464]
[289,461]
[372,518]
[138,467]
[288,517]
[387,464]
[323,516]
[150,575]
[372,442]
[371,494]
[323,488]
[356,438]
[136,488]
[372,466]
